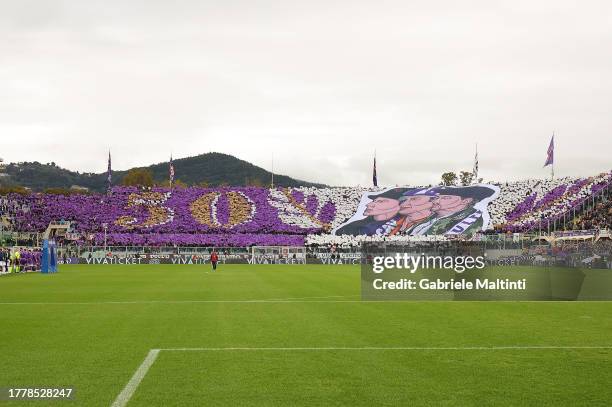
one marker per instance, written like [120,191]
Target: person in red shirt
[214,258]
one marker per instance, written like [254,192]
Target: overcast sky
[319,84]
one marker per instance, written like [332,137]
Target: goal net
[278,253]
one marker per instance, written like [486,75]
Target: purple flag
[550,158]
[171,171]
[109,173]
[374,178]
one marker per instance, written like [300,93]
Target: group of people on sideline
[18,260]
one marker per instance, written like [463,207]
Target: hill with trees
[211,169]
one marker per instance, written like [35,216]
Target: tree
[449,179]
[66,191]
[466,177]
[253,182]
[176,184]
[57,191]
[13,189]
[138,177]
[179,184]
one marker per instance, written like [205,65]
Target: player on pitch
[214,258]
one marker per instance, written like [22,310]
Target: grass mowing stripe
[129,389]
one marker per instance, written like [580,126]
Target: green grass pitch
[91,327]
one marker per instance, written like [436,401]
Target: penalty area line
[130,388]
[527,347]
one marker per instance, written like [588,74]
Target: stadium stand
[529,205]
[247,216]
[600,217]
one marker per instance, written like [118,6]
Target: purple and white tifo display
[244,216]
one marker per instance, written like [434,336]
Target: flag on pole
[550,158]
[171,171]
[475,170]
[374,177]
[109,176]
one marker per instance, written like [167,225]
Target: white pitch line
[194,302]
[271,300]
[528,347]
[289,300]
[281,301]
[129,389]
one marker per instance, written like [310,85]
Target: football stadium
[114,295]
[345,204]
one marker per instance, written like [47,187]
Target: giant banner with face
[421,211]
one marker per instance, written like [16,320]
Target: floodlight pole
[552,171]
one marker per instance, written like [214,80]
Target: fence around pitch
[514,241]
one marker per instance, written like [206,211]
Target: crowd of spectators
[598,217]
[239,216]
[535,204]
[10,208]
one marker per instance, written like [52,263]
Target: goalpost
[278,253]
